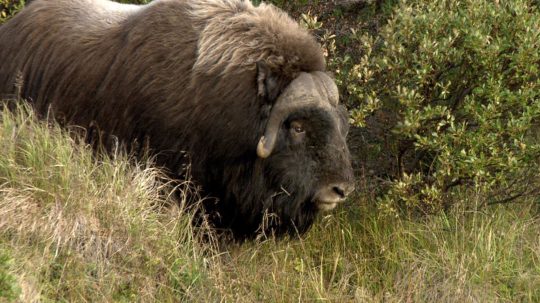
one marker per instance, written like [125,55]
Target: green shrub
[8,8]
[456,84]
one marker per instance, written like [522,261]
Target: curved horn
[316,89]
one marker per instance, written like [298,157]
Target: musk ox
[241,89]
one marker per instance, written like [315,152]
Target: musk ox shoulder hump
[235,33]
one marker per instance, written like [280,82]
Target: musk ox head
[311,125]
[302,164]
[241,89]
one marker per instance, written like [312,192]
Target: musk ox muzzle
[240,89]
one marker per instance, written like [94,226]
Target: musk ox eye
[297,127]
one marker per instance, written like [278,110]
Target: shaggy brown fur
[98,54]
[178,74]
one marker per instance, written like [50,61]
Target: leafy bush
[8,8]
[456,85]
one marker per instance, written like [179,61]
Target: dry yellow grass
[79,229]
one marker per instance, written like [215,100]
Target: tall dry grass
[81,228]
[78,228]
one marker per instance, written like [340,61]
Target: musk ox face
[312,157]
[308,123]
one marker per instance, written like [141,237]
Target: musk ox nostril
[342,189]
[338,189]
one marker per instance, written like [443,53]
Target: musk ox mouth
[326,206]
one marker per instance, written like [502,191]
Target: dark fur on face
[200,76]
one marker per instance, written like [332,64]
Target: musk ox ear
[268,84]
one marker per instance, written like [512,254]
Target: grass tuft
[85,229]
